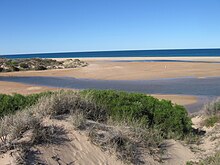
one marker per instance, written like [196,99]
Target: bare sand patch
[210,59]
[178,99]
[108,70]
[77,150]
[12,87]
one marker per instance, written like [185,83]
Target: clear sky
[28,26]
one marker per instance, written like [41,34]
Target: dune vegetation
[212,113]
[128,125]
[12,65]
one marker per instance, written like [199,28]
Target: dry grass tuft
[65,102]
[14,126]
[212,113]
[213,108]
[25,129]
[128,143]
[78,120]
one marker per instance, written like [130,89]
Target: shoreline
[195,58]
[7,87]
[107,69]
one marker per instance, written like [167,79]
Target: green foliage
[24,65]
[210,122]
[189,163]
[12,103]
[170,118]
[40,67]
[11,65]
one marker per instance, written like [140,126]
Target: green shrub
[24,65]
[40,67]
[170,118]
[14,69]
[12,103]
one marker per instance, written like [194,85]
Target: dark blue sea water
[131,53]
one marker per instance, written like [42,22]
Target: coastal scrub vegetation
[212,112]
[12,103]
[120,122]
[149,112]
[171,119]
[12,65]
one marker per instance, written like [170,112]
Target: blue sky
[28,26]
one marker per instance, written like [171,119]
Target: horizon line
[123,50]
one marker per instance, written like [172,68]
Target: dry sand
[105,69]
[76,150]
[108,70]
[178,99]
[210,59]
[79,150]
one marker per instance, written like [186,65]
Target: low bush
[12,103]
[137,121]
[10,65]
[24,65]
[169,118]
[40,67]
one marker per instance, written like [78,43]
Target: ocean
[128,53]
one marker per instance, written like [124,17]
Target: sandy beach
[210,59]
[108,70]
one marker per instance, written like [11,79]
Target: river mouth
[204,89]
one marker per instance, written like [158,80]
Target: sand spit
[108,70]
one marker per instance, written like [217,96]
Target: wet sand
[12,87]
[108,70]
